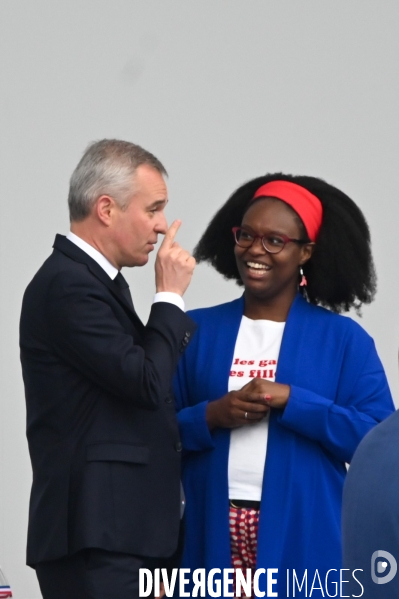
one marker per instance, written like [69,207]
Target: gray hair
[106,168]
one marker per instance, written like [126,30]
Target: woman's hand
[248,405]
[275,394]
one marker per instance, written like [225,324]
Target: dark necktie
[123,287]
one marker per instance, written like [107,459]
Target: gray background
[220,92]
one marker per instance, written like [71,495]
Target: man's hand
[174,266]
[248,405]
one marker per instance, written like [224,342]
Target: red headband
[305,204]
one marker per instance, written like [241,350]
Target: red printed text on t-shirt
[263,369]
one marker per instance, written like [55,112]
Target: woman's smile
[257,269]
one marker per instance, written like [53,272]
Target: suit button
[178,446]
[169,399]
[188,334]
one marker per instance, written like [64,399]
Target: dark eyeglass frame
[286,239]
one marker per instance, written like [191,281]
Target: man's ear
[307,250]
[104,207]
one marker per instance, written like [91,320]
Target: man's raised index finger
[170,233]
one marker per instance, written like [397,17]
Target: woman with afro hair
[277,388]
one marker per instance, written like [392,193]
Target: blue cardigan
[338,393]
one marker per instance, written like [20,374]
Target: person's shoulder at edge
[379,439]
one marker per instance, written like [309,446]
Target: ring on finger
[246,415]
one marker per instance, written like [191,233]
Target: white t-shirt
[255,355]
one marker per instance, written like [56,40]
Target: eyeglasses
[271,242]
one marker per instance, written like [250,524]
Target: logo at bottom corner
[383,567]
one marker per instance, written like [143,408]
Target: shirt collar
[95,254]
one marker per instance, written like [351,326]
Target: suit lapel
[71,250]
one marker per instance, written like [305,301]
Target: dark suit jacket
[101,423]
[371,510]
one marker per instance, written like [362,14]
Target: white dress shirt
[162,296]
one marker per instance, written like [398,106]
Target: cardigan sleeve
[339,426]
[194,432]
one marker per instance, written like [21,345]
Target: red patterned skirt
[244,523]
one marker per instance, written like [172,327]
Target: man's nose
[162,224]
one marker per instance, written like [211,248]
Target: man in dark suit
[371,514]
[101,424]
